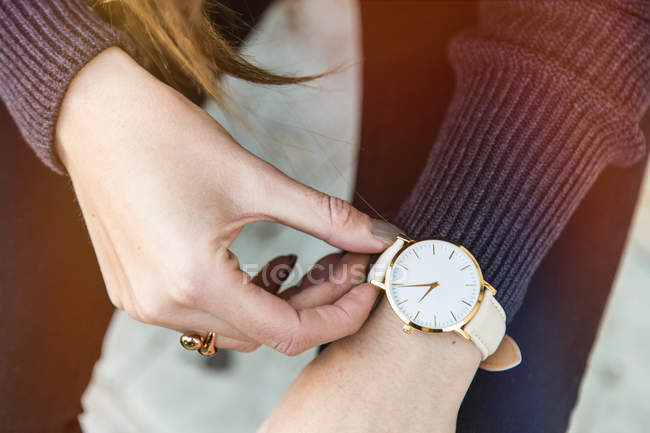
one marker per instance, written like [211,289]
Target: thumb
[326,217]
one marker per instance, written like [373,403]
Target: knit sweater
[547,94]
[43,44]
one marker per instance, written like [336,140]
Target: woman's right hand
[164,191]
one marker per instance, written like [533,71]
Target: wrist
[366,376]
[444,363]
[450,352]
[99,89]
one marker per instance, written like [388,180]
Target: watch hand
[431,287]
[418,285]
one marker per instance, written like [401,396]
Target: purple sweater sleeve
[43,44]
[547,94]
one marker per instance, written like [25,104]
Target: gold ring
[205,346]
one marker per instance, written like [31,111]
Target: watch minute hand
[431,287]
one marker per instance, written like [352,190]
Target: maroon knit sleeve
[43,44]
[547,94]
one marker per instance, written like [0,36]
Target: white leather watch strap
[378,270]
[488,326]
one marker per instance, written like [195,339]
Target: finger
[349,271]
[200,311]
[326,217]
[192,318]
[270,278]
[274,322]
[274,273]
[326,323]
[319,273]
[201,323]
[222,342]
[322,270]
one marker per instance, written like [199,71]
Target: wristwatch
[436,285]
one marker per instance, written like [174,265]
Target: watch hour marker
[399,264]
[433,248]
[452,315]
[402,302]
[464,302]
[471,284]
[464,267]
[452,253]
[416,316]
[416,254]
[434,321]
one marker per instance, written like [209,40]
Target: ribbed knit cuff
[536,115]
[43,44]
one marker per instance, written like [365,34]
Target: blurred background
[614,394]
[143,381]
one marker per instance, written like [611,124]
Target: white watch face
[434,284]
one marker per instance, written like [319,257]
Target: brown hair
[178,43]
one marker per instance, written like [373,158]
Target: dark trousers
[407,86]
[55,310]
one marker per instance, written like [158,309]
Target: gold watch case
[410,326]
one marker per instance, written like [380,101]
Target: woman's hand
[165,190]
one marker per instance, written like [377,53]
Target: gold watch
[436,285]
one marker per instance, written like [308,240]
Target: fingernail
[384,231]
[283,273]
[292,260]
